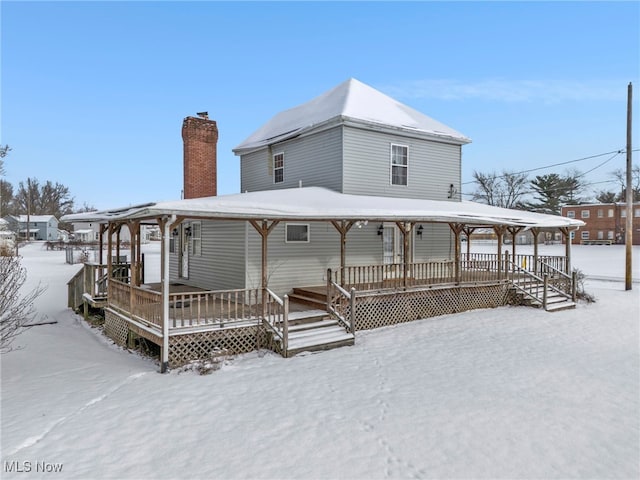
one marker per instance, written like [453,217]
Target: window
[399,166]
[610,235]
[610,213]
[172,241]
[196,238]
[623,213]
[600,213]
[297,233]
[573,235]
[584,214]
[585,235]
[571,214]
[636,212]
[278,168]
[600,235]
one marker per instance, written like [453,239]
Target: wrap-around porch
[188,322]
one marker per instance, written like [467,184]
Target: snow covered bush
[16,312]
[581,294]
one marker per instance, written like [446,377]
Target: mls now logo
[26,467]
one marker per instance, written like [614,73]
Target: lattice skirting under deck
[116,327]
[205,345]
[389,308]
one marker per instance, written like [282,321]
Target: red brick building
[605,223]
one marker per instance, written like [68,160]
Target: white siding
[316,160]
[432,166]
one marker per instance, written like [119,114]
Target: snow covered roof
[316,203]
[350,101]
[35,218]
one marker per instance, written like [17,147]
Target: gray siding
[432,166]
[298,265]
[437,243]
[221,265]
[316,160]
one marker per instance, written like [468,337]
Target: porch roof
[317,204]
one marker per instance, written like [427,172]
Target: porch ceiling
[320,204]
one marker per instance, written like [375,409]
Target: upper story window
[610,212]
[584,214]
[571,214]
[623,213]
[600,213]
[278,168]
[399,164]
[636,212]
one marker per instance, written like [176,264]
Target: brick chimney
[200,138]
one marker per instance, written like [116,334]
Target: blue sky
[94,94]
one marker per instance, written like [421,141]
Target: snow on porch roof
[316,203]
[351,100]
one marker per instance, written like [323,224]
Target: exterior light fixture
[187,231]
[419,231]
[380,230]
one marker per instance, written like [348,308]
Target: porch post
[468,231]
[264,229]
[110,228]
[535,232]
[134,229]
[566,232]
[103,228]
[165,228]
[405,228]
[138,256]
[514,231]
[499,231]
[456,228]
[343,227]
[118,227]
[133,268]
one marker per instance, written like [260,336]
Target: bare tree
[16,312]
[48,199]
[505,190]
[621,177]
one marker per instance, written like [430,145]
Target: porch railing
[559,279]
[341,303]
[373,277]
[219,307]
[187,309]
[276,317]
[532,285]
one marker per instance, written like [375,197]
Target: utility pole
[629,197]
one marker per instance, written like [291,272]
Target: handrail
[570,279]
[277,319]
[529,280]
[342,305]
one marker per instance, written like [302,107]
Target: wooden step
[557,307]
[320,341]
[313,302]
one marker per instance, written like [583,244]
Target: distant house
[605,223]
[90,232]
[350,213]
[38,227]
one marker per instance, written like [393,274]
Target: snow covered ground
[512,392]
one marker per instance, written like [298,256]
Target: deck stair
[530,291]
[314,297]
[315,330]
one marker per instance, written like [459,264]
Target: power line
[615,152]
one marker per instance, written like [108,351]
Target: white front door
[392,245]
